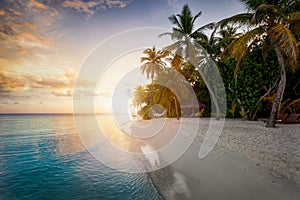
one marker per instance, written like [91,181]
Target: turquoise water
[41,157]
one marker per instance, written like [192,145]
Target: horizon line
[51,113]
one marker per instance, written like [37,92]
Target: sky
[55,52]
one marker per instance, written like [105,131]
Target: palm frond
[250,4]
[173,19]
[142,59]
[175,35]
[293,20]
[295,16]
[165,34]
[145,69]
[174,46]
[291,107]
[263,11]
[196,16]
[244,54]
[185,19]
[242,19]
[209,26]
[287,42]
[295,28]
[237,47]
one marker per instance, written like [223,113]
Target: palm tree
[225,37]
[275,24]
[139,96]
[187,38]
[173,87]
[164,96]
[152,63]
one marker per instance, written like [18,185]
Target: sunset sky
[44,44]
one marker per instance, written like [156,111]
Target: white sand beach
[248,162]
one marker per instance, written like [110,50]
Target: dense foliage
[251,63]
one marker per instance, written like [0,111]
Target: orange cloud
[21,51]
[39,5]
[30,40]
[2,12]
[30,25]
[59,82]
[81,6]
[17,13]
[62,93]
[11,83]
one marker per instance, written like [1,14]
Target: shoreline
[239,163]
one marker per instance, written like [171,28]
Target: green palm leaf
[238,47]
[287,42]
[263,11]
[241,19]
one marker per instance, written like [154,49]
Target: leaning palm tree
[275,24]
[152,63]
[188,42]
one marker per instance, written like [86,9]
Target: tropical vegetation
[256,54]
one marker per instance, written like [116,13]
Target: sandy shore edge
[243,165]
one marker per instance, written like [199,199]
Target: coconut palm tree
[152,63]
[275,24]
[224,38]
[188,42]
[173,87]
[139,96]
[164,96]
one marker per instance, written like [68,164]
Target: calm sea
[41,157]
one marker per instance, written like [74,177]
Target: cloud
[11,83]
[173,3]
[81,6]
[27,27]
[90,7]
[22,30]
[62,93]
[63,81]
[28,40]
[39,5]
[79,94]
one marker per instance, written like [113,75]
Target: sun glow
[118,81]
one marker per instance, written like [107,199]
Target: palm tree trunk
[151,90]
[279,95]
[151,93]
[176,109]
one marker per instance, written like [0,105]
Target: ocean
[42,157]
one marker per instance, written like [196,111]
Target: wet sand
[248,162]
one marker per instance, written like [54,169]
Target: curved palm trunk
[279,95]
